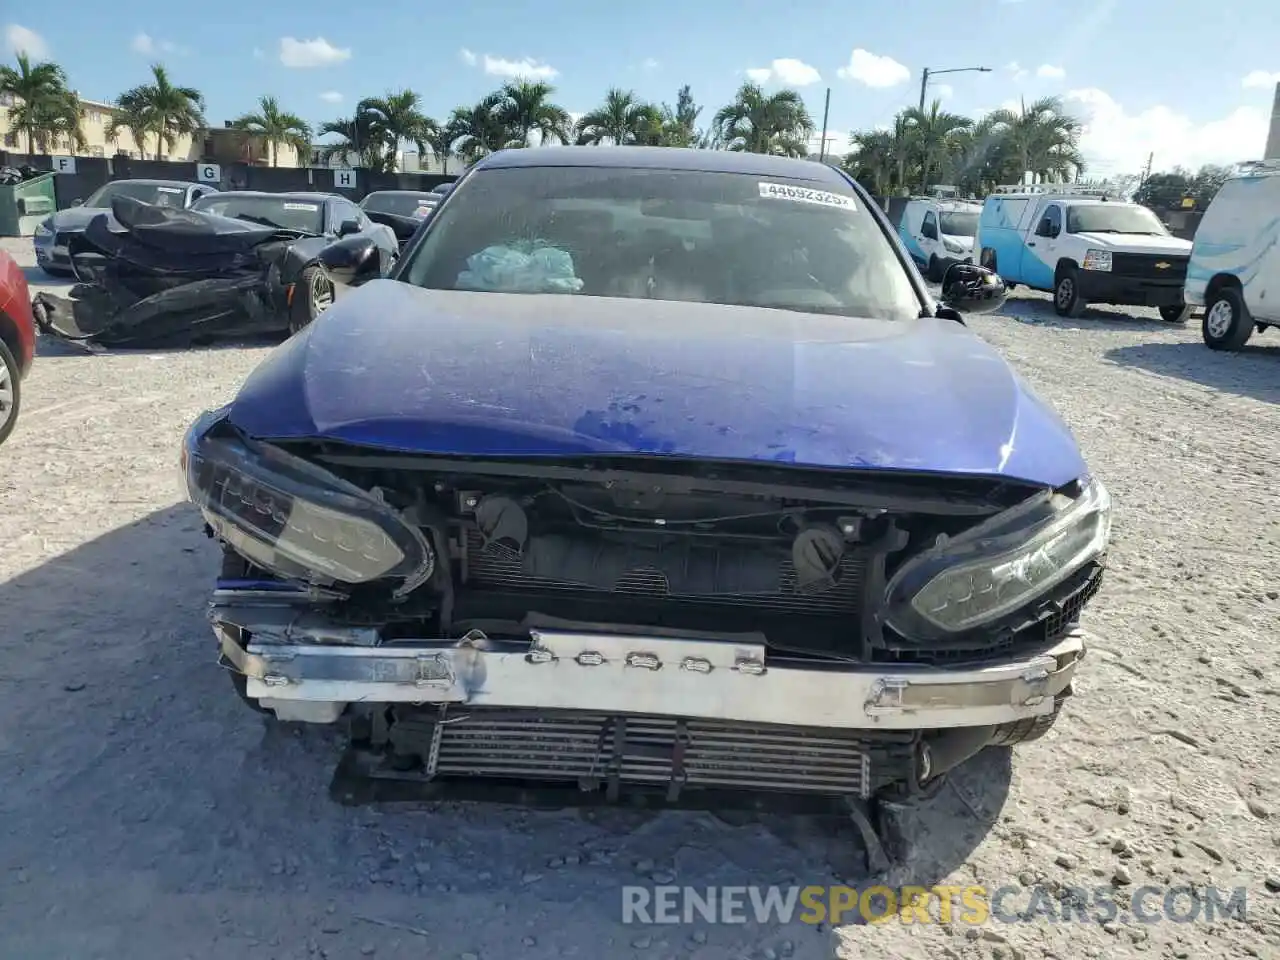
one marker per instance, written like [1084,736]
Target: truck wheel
[1030,729]
[1227,324]
[1066,295]
[1175,313]
[312,296]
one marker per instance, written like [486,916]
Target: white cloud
[20,39]
[311,53]
[873,70]
[1260,78]
[1117,142]
[650,64]
[148,45]
[787,71]
[525,68]
[1048,71]
[331,96]
[467,57]
[1016,70]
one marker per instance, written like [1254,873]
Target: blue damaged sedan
[651,469]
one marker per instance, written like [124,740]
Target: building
[218,145]
[1272,151]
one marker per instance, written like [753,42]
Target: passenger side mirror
[348,227]
[968,288]
[352,261]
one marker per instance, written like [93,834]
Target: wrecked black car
[234,264]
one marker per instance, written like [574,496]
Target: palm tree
[621,119]
[934,131]
[1043,138]
[131,113]
[523,107]
[398,117]
[171,112]
[277,127]
[872,161]
[440,143]
[478,130]
[679,125]
[43,108]
[777,123]
[361,135]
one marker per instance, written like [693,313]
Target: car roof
[155,183]
[293,195]
[404,193]
[666,158]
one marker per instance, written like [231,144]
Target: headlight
[1000,565]
[1097,260]
[952,246]
[294,518]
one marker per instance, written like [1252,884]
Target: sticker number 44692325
[784,191]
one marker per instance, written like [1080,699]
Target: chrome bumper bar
[290,668]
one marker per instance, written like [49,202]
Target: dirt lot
[145,813]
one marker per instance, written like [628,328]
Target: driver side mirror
[969,288]
[348,227]
[1045,229]
[77,202]
[352,261]
[930,231]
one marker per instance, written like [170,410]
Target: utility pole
[826,112]
[927,73]
[1146,174]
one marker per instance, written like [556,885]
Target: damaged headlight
[296,519]
[1001,565]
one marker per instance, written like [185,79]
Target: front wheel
[1227,324]
[1066,295]
[10,391]
[312,295]
[1175,313]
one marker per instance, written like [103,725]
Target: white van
[939,232]
[1083,247]
[1235,260]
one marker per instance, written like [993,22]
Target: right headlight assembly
[999,566]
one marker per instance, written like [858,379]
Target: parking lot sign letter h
[344,179]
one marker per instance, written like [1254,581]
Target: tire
[1176,313]
[1227,324]
[1030,729]
[1066,295]
[312,295]
[10,391]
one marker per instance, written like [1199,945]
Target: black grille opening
[1149,266]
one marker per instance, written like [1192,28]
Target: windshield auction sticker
[784,191]
[309,207]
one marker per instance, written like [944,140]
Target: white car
[1235,260]
[938,233]
[1084,248]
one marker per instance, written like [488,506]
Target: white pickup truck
[1084,248]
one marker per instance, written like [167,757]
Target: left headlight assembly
[296,519]
[999,566]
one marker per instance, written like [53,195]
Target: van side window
[1051,223]
[930,226]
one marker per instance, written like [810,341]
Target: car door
[1040,253]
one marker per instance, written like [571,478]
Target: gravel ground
[146,813]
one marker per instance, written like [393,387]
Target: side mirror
[77,202]
[968,288]
[348,227]
[352,261]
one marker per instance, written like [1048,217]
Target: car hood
[1138,243]
[400,368]
[77,218]
[965,243]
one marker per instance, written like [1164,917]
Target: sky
[1147,77]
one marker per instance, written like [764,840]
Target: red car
[17,340]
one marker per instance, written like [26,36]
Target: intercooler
[595,751]
[722,582]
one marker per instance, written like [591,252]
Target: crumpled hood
[77,218]
[400,368]
[1138,243]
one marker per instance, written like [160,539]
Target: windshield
[663,234]
[306,216]
[1113,218]
[401,204]
[960,224]
[162,195]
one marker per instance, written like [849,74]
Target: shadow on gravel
[1251,372]
[1041,313]
[54,348]
[145,811]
